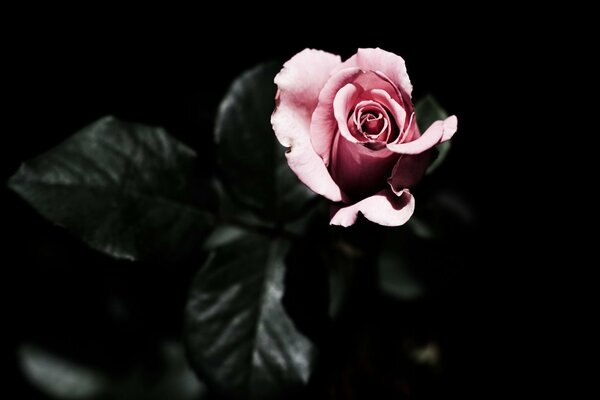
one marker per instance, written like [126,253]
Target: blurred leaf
[425,258]
[252,161]
[235,213]
[428,111]
[238,334]
[223,235]
[124,188]
[171,378]
[60,378]
[443,215]
[394,267]
[344,260]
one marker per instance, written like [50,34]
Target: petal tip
[450,127]
[343,222]
[382,208]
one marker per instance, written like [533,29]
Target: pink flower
[351,132]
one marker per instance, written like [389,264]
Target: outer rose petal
[299,83]
[450,127]
[323,126]
[390,64]
[383,208]
[409,170]
[438,132]
[303,77]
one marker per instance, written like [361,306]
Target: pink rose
[351,132]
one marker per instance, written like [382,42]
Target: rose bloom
[351,132]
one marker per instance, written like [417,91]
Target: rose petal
[301,157]
[359,170]
[303,77]
[438,132]
[411,132]
[383,208]
[390,64]
[370,80]
[450,127]
[299,84]
[409,170]
[343,102]
[398,94]
[323,125]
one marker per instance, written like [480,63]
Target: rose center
[371,123]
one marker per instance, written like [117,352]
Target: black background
[63,73]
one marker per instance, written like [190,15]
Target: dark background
[64,73]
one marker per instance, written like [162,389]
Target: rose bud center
[370,123]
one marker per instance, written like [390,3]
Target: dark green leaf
[124,188]
[344,264]
[395,268]
[424,259]
[428,111]
[252,161]
[60,378]
[239,336]
[443,216]
[166,377]
[396,278]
